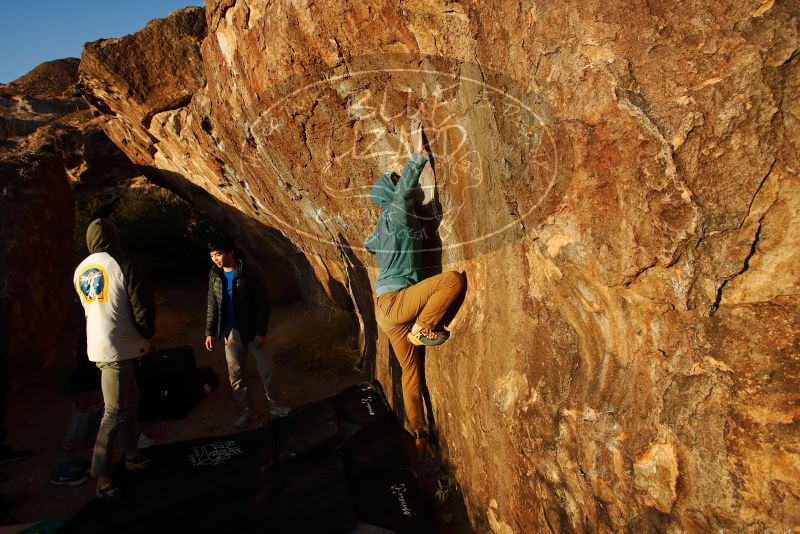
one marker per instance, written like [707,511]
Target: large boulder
[618,181]
[36,217]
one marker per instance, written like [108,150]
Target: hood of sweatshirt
[102,236]
[382,192]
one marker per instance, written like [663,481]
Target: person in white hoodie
[120,321]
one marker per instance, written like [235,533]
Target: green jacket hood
[102,236]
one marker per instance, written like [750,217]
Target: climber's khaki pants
[396,312]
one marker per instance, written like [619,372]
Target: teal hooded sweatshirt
[398,235]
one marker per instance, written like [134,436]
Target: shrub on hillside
[159,230]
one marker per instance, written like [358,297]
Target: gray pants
[236,356]
[121,398]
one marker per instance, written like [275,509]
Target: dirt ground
[315,358]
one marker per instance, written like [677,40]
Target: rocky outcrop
[51,146]
[618,181]
[165,57]
[36,214]
[40,97]
[45,107]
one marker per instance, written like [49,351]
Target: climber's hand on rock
[416,136]
[209,343]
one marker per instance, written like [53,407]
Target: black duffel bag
[170,384]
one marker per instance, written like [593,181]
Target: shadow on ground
[316,352]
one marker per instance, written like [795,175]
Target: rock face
[618,181]
[36,214]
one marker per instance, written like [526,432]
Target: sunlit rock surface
[618,181]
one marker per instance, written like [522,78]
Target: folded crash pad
[332,466]
[202,485]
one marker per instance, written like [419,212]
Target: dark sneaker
[428,337]
[144,441]
[69,474]
[139,462]
[8,455]
[60,479]
[243,421]
[278,411]
[107,492]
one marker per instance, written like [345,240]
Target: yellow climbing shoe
[427,337]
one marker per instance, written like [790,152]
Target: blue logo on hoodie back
[92,283]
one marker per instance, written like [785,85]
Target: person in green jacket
[408,310]
[238,313]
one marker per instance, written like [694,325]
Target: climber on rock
[408,310]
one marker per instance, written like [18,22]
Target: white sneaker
[248,416]
[144,441]
[278,410]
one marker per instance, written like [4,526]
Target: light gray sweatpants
[121,398]
[236,356]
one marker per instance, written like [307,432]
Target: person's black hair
[221,242]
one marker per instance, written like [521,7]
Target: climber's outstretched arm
[408,180]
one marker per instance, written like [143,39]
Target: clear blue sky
[35,31]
